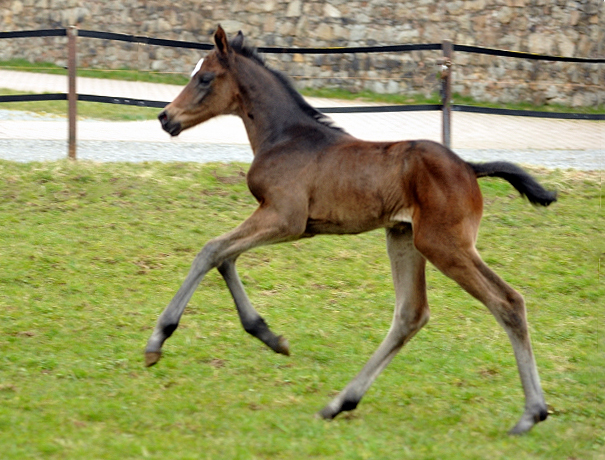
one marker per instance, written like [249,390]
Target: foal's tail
[522,181]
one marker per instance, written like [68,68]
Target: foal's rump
[525,184]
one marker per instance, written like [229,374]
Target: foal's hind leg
[252,322]
[459,260]
[411,313]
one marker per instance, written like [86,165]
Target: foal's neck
[270,113]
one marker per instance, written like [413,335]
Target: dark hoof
[152,357]
[528,420]
[334,408]
[283,346]
[520,428]
[326,414]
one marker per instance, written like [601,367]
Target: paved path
[23,137]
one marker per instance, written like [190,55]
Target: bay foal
[312,178]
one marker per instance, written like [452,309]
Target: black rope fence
[445,107]
[360,109]
[281,50]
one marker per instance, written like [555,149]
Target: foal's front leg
[252,322]
[264,226]
[170,317]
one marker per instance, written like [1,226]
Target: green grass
[457,99]
[91,253]
[370,96]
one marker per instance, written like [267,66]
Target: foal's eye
[205,78]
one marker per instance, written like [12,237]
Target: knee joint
[512,312]
[414,318]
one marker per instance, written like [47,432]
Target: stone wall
[557,27]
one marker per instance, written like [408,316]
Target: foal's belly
[357,220]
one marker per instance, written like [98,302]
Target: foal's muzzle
[171,127]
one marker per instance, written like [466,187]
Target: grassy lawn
[92,253]
[457,99]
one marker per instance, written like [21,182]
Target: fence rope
[281,50]
[327,50]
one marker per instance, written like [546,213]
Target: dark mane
[252,53]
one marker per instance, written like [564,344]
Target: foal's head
[211,91]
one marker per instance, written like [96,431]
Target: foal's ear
[220,40]
[238,41]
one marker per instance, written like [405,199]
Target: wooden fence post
[446,92]
[72,95]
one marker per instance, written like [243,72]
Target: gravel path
[26,137]
[26,150]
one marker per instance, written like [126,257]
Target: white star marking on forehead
[197,67]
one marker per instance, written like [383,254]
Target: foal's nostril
[163,117]
[170,126]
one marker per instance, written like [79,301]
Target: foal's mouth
[172,128]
